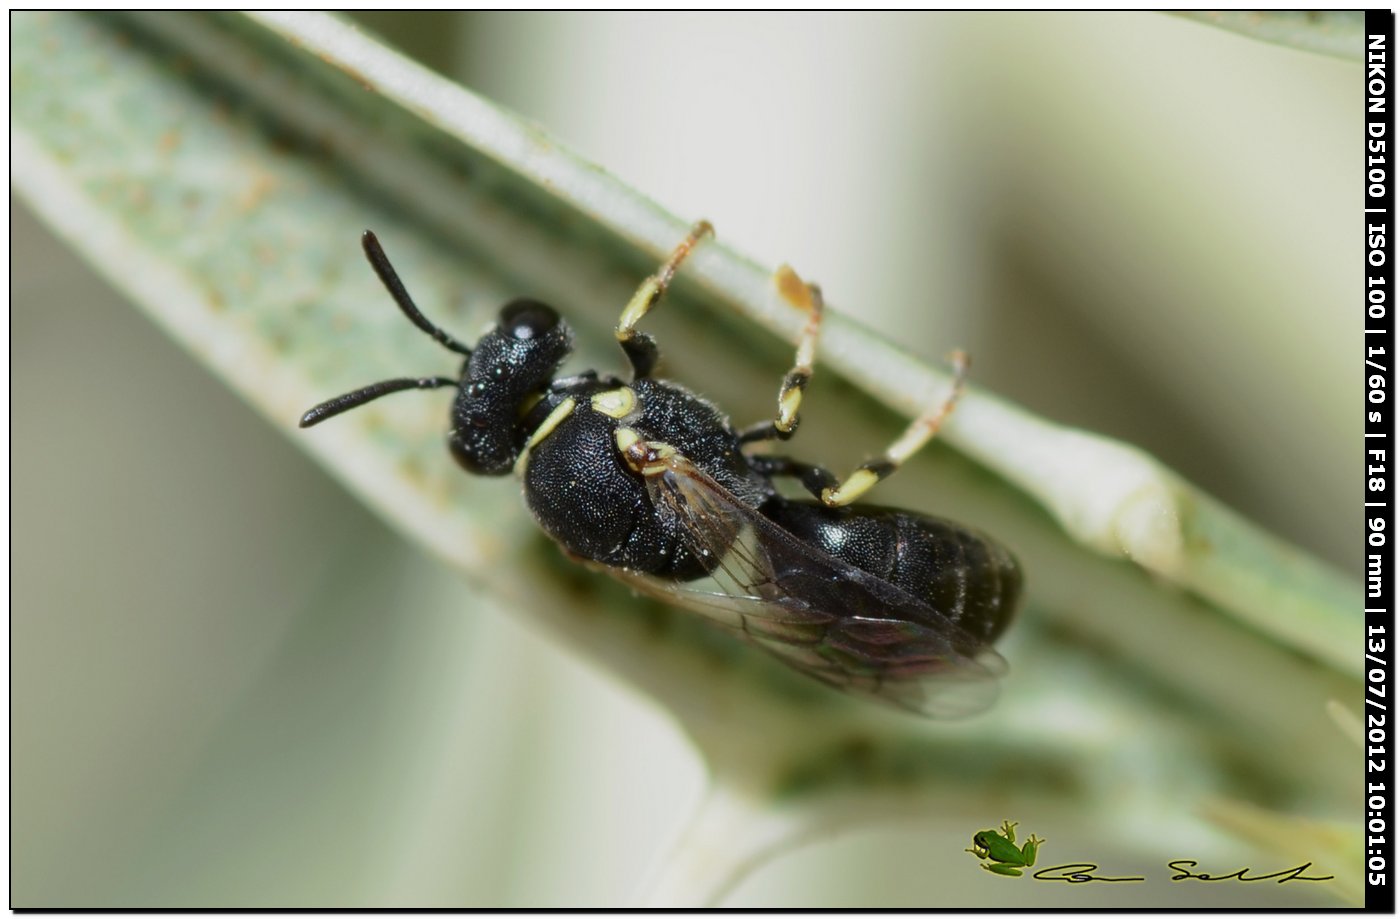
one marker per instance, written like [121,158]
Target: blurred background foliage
[1136,224]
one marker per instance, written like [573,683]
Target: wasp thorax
[509,367]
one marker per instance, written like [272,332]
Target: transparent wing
[822,616]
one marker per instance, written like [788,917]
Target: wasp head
[506,373]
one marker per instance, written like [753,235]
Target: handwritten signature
[1083,873]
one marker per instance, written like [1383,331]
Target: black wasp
[650,483]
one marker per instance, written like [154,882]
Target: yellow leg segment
[919,432]
[807,297]
[640,348]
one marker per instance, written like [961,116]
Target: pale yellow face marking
[859,482]
[615,403]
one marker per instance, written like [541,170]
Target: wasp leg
[813,478]
[807,297]
[919,432]
[639,346]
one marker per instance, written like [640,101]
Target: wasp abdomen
[965,576]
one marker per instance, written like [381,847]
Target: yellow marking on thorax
[648,457]
[545,429]
[625,438]
[615,403]
[553,420]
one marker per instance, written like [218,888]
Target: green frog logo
[998,849]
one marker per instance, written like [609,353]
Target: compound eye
[526,319]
